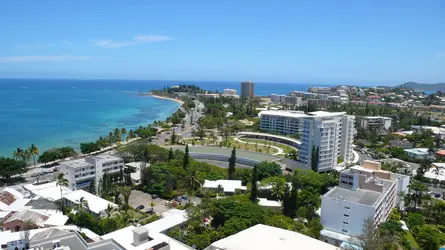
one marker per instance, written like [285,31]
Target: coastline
[168,98]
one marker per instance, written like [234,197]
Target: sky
[344,41]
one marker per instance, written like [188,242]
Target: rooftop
[284,113]
[228,185]
[270,238]
[26,215]
[359,196]
[107,157]
[417,150]
[48,190]
[271,135]
[95,203]
[78,163]
[264,202]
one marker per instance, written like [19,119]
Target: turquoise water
[53,113]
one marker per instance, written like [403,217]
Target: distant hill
[423,86]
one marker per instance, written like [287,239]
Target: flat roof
[359,196]
[227,185]
[77,163]
[262,237]
[271,135]
[326,114]
[95,203]
[417,150]
[283,113]
[107,157]
[376,117]
[170,219]
[264,202]
[48,190]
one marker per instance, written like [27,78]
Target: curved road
[280,150]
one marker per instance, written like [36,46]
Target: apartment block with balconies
[81,173]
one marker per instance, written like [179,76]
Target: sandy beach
[168,98]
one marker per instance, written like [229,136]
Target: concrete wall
[216,157]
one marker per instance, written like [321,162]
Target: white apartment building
[230,92]
[380,124]
[81,173]
[331,133]
[365,192]
[274,98]
[280,121]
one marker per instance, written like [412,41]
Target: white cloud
[59,58]
[441,55]
[140,39]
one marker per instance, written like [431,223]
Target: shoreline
[167,98]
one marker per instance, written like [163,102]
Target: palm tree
[126,192]
[152,204]
[278,188]
[22,155]
[123,132]
[109,210]
[123,217]
[213,136]
[33,151]
[82,203]
[61,182]
[131,134]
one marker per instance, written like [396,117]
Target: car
[437,195]
[178,199]
[140,207]
[150,211]
[154,196]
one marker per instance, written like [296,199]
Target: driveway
[140,198]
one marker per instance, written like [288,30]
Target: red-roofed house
[440,154]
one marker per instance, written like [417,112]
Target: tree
[186,157]
[254,189]
[173,137]
[293,199]
[200,133]
[61,182]
[88,147]
[232,162]
[109,210]
[123,132]
[429,238]
[293,154]
[82,203]
[315,158]
[418,190]
[287,207]
[438,212]
[268,169]
[10,167]
[170,154]
[22,155]
[33,150]
[126,192]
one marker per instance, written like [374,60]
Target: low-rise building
[48,190]
[380,124]
[96,205]
[419,153]
[22,220]
[230,92]
[436,172]
[365,192]
[226,186]
[319,104]
[81,173]
[373,98]
[262,237]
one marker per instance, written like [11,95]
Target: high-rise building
[230,92]
[247,90]
[364,193]
[329,134]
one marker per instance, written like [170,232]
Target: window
[344,230]
[345,223]
[346,215]
[347,208]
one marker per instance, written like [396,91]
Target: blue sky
[387,42]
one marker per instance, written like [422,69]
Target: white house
[96,205]
[227,186]
[419,153]
[380,124]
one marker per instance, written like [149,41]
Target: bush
[150,219]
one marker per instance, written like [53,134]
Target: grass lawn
[250,147]
[204,141]
[411,240]
[136,215]
[284,147]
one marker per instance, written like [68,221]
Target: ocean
[54,113]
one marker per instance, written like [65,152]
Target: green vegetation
[10,167]
[56,154]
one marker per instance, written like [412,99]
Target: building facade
[247,90]
[230,92]
[331,133]
[379,124]
[364,193]
[81,173]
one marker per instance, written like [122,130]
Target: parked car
[154,196]
[184,197]
[150,211]
[437,195]
[140,207]
[178,199]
